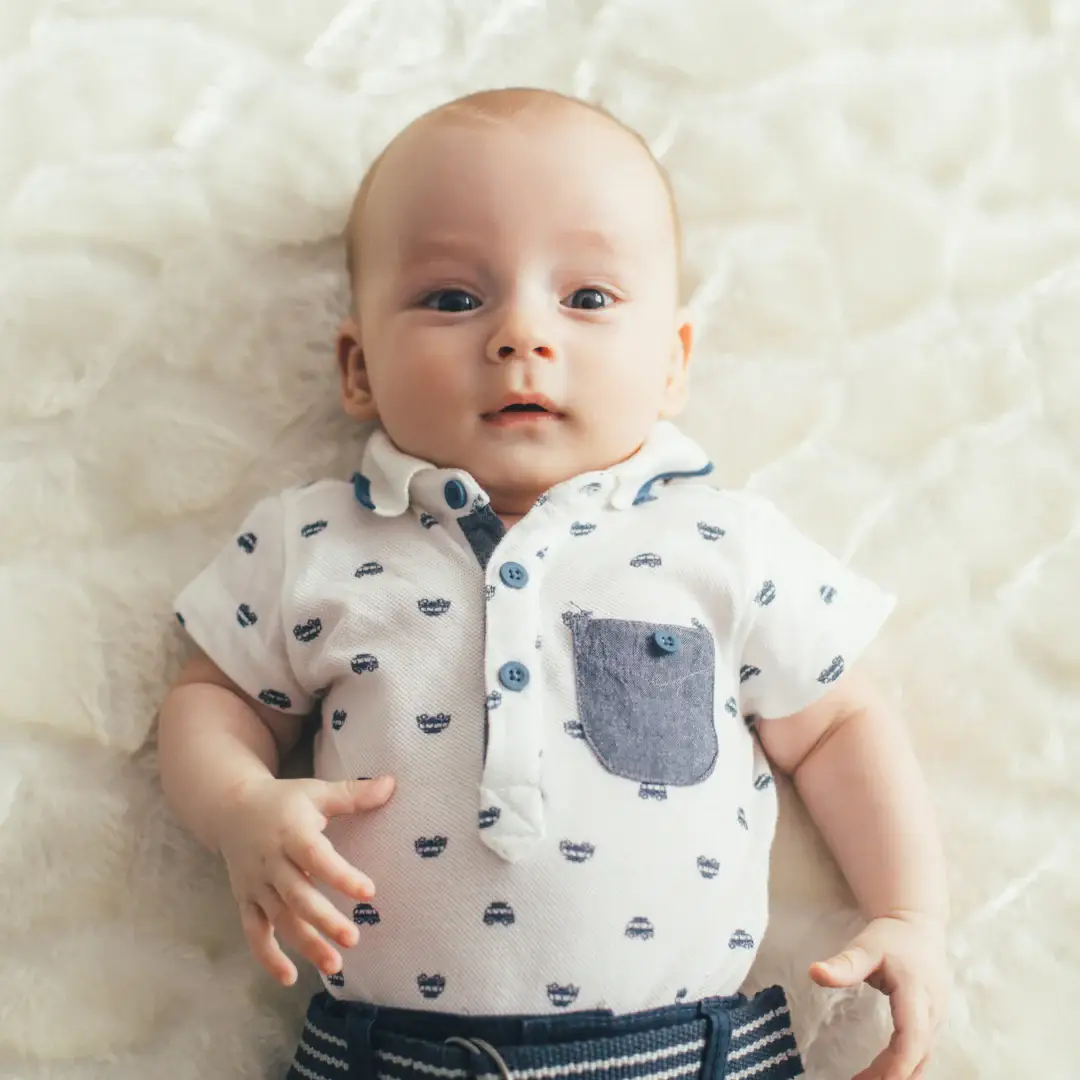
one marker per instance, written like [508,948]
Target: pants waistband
[733,1038]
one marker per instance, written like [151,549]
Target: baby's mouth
[524,411]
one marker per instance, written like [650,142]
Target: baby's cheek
[423,370]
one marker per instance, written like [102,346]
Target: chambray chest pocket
[645,698]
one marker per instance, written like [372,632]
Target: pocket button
[666,642]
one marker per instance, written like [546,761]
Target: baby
[554,667]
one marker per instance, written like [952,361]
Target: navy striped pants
[731,1038]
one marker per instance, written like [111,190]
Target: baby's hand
[271,837]
[905,959]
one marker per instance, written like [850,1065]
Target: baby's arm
[855,769]
[853,765]
[212,739]
[219,754]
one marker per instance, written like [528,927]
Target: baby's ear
[356,397]
[675,389]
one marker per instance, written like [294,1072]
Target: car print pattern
[575,729]
[247,542]
[493,701]
[731,707]
[429,521]
[336,979]
[431,986]
[337,721]
[433,725]
[277,699]
[364,662]
[653,791]
[433,607]
[369,569]
[740,817]
[365,915]
[740,940]
[576,852]
[766,594]
[499,913]
[572,618]
[708,868]
[562,995]
[828,593]
[640,929]
[710,532]
[430,847]
[582,528]
[245,616]
[646,558]
[489,816]
[833,671]
[762,782]
[308,631]
[312,529]
[748,671]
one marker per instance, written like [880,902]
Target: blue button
[514,676]
[455,494]
[666,641]
[514,575]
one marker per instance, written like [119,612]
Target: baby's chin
[520,475]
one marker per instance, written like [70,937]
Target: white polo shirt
[583,816]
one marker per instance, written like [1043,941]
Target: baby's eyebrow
[440,247]
[589,238]
[429,248]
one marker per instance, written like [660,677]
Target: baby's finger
[264,945]
[303,938]
[910,1039]
[353,796]
[308,904]
[316,855]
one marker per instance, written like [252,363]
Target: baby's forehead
[565,164]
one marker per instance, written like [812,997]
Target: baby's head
[515,247]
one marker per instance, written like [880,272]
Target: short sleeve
[233,610]
[810,618]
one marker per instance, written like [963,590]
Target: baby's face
[525,265]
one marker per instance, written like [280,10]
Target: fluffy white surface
[882,205]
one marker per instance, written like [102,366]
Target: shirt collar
[386,480]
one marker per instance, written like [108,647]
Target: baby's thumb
[354,796]
[849,968]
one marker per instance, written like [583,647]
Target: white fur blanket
[882,205]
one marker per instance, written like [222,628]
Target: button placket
[511,780]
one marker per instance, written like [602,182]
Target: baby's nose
[505,352]
[521,334]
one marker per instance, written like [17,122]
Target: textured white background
[882,205]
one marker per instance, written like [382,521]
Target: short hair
[499,105]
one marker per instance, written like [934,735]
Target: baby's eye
[590,299]
[452,300]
